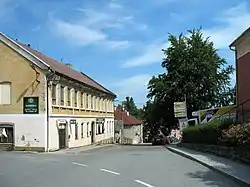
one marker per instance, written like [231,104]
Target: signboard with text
[31,105]
[180,110]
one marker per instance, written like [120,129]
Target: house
[46,105]
[132,127]
[241,47]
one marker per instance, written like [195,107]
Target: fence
[241,112]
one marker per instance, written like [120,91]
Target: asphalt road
[121,166]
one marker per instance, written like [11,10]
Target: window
[101,104]
[82,130]
[69,97]
[87,101]
[98,128]
[103,128]
[53,94]
[76,131]
[96,104]
[91,100]
[81,99]
[87,129]
[62,95]
[5,93]
[75,98]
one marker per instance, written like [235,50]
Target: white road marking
[109,171]
[143,183]
[75,163]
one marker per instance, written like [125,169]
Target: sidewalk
[238,172]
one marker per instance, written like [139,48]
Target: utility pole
[122,124]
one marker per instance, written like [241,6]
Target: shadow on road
[210,178]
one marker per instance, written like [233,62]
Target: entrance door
[93,131]
[62,138]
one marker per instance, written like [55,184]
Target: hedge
[208,133]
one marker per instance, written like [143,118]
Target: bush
[236,135]
[207,133]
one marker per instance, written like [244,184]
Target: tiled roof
[127,119]
[67,71]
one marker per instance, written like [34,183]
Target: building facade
[128,129]
[46,105]
[241,47]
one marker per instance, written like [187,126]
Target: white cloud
[90,30]
[118,44]
[135,86]
[152,54]
[232,23]
[78,34]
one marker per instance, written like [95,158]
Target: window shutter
[1,94]
[5,94]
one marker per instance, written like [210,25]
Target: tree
[130,106]
[193,70]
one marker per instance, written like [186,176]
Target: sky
[118,42]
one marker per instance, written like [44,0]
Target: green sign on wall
[30,105]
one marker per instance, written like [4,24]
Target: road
[120,166]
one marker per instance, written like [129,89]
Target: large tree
[195,71]
[130,106]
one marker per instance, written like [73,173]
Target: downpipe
[47,104]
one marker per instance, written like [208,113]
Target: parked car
[159,140]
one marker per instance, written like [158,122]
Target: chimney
[127,113]
[28,45]
[69,65]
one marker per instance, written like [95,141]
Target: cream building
[46,105]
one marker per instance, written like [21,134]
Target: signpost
[180,109]
[31,105]
[180,112]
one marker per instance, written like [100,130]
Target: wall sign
[72,121]
[31,105]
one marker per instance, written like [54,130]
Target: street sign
[180,110]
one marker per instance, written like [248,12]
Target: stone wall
[234,153]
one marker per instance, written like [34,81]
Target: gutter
[47,103]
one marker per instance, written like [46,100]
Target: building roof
[63,69]
[235,42]
[127,118]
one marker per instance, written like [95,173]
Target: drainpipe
[236,84]
[47,104]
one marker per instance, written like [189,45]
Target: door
[62,138]
[93,132]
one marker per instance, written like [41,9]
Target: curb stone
[232,177]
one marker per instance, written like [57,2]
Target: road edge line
[230,176]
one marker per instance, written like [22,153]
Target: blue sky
[118,42]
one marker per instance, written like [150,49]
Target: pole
[122,126]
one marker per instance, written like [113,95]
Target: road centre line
[109,171]
[79,164]
[143,183]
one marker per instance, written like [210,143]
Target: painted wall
[24,80]
[81,141]
[130,131]
[29,130]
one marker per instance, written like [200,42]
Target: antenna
[15,35]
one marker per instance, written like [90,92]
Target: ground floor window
[6,135]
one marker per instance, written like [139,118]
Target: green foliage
[130,106]
[208,133]
[194,69]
